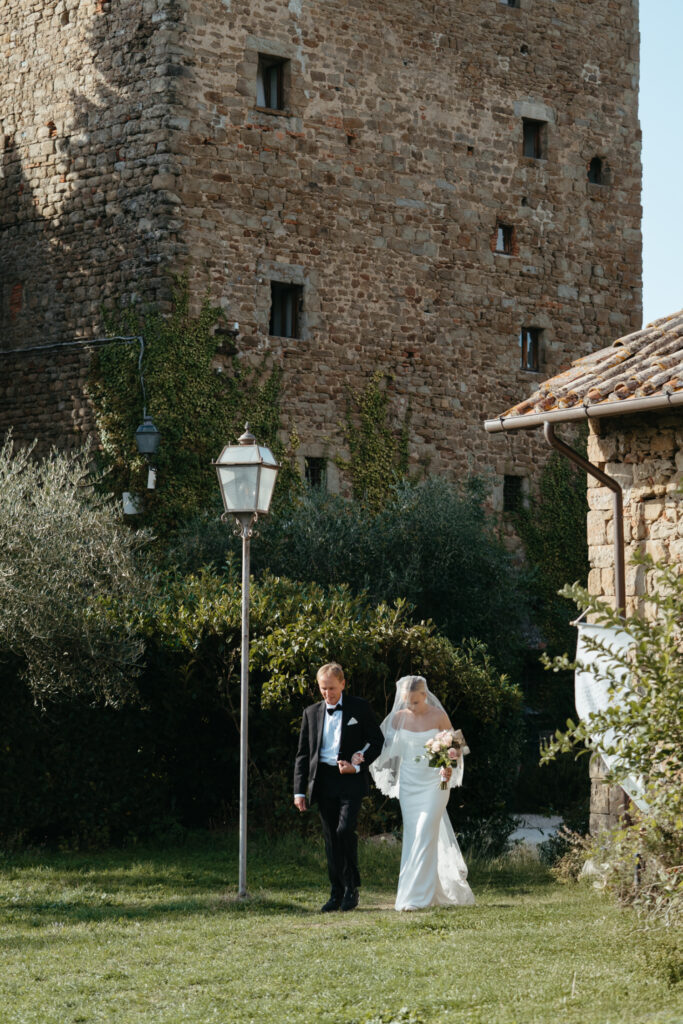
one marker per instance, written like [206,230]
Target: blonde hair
[412,684]
[332,668]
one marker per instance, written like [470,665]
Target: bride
[433,872]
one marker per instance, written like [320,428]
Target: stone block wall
[608,803]
[644,453]
[136,146]
[382,184]
[85,217]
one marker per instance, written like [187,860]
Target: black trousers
[339,798]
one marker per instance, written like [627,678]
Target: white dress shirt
[331,741]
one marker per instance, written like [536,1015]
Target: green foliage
[81,773]
[642,727]
[643,724]
[641,866]
[566,845]
[295,628]
[175,757]
[66,567]
[197,409]
[433,544]
[553,530]
[378,448]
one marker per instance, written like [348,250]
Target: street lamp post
[246,473]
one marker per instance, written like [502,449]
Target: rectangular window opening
[513,493]
[595,171]
[270,82]
[504,239]
[285,309]
[510,3]
[315,471]
[534,138]
[530,348]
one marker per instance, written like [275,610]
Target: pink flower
[453,754]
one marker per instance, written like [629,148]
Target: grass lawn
[156,935]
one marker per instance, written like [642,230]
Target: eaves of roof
[640,372]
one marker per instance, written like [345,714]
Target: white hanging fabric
[591,690]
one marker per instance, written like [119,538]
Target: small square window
[315,471]
[530,348]
[505,238]
[285,309]
[513,493]
[534,138]
[270,82]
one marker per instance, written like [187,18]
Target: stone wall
[84,139]
[608,803]
[49,388]
[135,146]
[644,453]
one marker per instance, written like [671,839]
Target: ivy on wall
[197,409]
[378,451]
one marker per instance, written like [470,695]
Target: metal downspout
[618,505]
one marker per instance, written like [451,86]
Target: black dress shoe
[349,899]
[334,903]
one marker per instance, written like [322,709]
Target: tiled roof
[646,364]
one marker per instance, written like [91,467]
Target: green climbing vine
[196,408]
[378,447]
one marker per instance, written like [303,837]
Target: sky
[661,120]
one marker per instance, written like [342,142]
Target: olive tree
[67,569]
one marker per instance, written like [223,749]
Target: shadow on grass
[286,876]
[37,913]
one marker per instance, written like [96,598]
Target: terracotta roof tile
[644,364]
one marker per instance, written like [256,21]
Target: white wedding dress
[433,872]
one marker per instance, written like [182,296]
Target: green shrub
[432,544]
[642,727]
[295,628]
[77,772]
[553,530]
[90,773]
[66,566]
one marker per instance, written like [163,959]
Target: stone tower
[445,190]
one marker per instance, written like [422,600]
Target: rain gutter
[617,505]
[670,399]
[622,407]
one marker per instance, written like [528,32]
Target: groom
[339,739]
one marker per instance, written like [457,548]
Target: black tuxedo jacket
[358,728]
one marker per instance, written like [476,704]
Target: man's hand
[346,768]
[301,803]
[358,757]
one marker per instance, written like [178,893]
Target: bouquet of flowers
[443,750]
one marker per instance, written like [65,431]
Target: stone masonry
[644,454]
[382,188]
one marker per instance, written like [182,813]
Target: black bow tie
[331,711]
